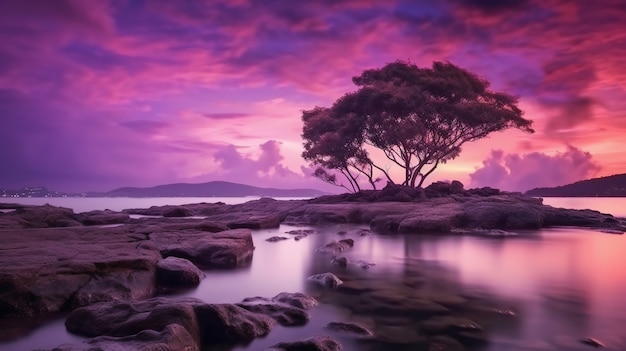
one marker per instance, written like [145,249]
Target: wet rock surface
[318,343]
[175,271]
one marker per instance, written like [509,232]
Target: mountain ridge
[208,189]
[609,186]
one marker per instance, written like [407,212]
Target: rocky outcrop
[102,217]
[327,280]
[39,217]
[227,249]
[337,247]
[318,343]
[349,328]
[288,309]
[48,270]
[205,323]
[175,271]
[172,337]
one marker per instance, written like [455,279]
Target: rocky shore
[108,268]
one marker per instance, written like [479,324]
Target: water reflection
[541,290]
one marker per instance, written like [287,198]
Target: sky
[96,95]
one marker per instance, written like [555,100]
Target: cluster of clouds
[106,94]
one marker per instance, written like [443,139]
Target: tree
[418,117]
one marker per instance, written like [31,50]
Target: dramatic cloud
[115,93]
[524,172]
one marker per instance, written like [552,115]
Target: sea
[547,289]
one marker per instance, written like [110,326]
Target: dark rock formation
[337,247]
[172,337]
[227,249]
[102,217]
[205,323]
[275,239]
[318,343]
[45,216]
[340,261]
[175,271]
[327,280]
[288,309]
[49,270]
[349,328]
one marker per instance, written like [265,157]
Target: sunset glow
[96,95]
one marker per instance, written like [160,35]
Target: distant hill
[611,186]
[217,188]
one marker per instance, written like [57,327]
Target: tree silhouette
[418,117]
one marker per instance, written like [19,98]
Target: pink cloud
[524,172]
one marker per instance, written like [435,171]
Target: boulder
[337,247]
[206,323]
[327,280]
[340,261]
[172,337]
[175,271]
[456,187]
[102,217]
[318,343]
[50,270]
[45,216]
[349,328]
[177,212]
[284,314]
[227,249]
[275,239]
[255,221]
[288,309]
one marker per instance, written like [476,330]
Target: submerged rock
[318,343]
[206,323]
[349,328]
[327,280]
[102,217]
[337,247]
[275,239]
[172,337]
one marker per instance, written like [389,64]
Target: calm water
[555,286]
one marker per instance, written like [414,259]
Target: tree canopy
[418,117]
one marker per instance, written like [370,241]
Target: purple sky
[96,95]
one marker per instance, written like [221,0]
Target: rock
[276,239]
[177,212]
[286,308]
[263,221]
[45,216]
[173,337]
[102,217]
[227,249]
[175,271]
[484,191]
[340,261]
[328,280]
[349,328]
[342,232]
[50,270]
[365,265]
[231,323]
[437,189]
[456,187]
[298,300]
[444,343]
[449,324]
[209,323]
[318,343]
[284,314]
[337,247]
